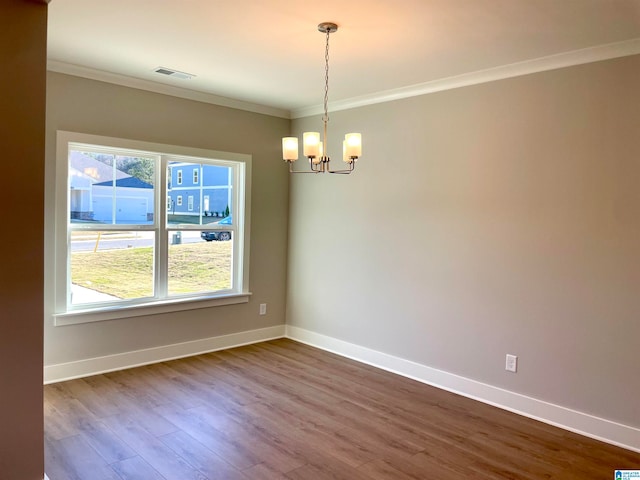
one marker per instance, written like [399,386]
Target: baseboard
[598,428]
[120,361]
[588,425]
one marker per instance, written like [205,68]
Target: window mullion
[162,236]
[238,196]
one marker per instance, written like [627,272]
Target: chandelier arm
[351,168]
[291,170]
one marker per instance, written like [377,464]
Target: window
[195,176]
[120,254]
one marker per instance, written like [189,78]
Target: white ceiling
[269,52]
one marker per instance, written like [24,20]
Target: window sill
[74,317]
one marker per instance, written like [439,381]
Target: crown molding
[126,81]
[552,62]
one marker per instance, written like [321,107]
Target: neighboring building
[93,198]
[84,171]
[199,189]
[133,201]
[80,195]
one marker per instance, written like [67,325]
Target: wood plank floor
[283,410]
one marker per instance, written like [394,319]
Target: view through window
[146,226]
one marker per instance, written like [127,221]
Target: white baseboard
[588,425]
[599,428]
[120,361]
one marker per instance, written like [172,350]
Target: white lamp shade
[311,144]
[353,145]
[290,148]
[345,157]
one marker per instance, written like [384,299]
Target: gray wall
[492,219]
[23,48]
[87,106]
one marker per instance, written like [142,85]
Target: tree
[141,168]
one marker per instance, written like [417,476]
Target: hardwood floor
[283,410]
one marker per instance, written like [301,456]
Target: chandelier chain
[326,79]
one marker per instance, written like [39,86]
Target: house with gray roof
[101,193]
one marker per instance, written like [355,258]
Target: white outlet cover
[511,364]
[263,309]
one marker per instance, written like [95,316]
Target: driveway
[82,295]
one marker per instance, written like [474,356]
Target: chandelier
[314,149]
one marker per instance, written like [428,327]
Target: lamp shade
[311,144]
[290,148]
[353,145]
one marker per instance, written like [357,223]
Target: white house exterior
[94,196]
[130,200]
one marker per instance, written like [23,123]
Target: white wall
[492,219]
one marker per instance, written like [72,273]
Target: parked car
[219,235]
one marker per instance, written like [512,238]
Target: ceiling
[270,53]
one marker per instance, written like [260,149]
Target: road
[117,242]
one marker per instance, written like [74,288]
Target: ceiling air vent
[173,73]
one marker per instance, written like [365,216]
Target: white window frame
[179,200]
[195,176]
[179,177]
[66,313]
[190,203]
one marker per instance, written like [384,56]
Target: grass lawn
[128,273]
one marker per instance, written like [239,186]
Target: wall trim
[120,361]
[542,64]
[551,62]
[578,422]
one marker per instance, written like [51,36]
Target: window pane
[196,265]
[206,189]
[110,189]
[110,266]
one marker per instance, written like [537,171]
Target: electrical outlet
[263,309]
[512,363]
